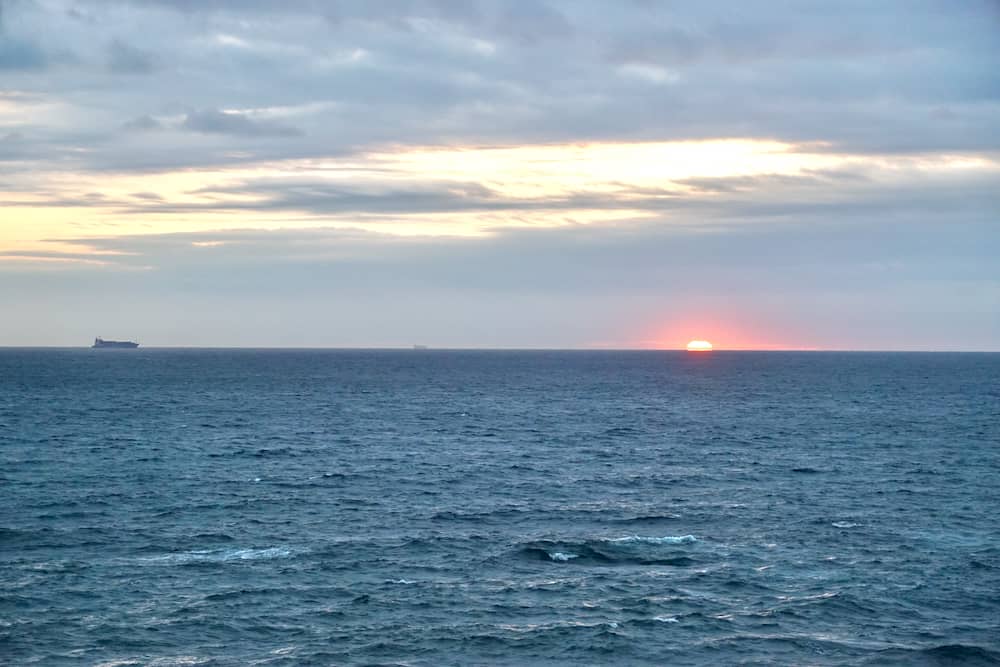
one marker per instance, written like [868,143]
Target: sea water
[239,507]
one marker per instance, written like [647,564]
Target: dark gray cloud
[213,121]
[143,123]
[708,202]
[123,58]
[908,76]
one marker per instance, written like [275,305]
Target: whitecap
[844,524]
[666,619]
[254,554]
[669,539]
[221,555]
[818,596]
[563,557]
[400,581]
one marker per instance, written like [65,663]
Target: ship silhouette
[121,344]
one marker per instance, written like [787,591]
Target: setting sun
[699,346]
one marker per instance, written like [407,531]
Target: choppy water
[511,508]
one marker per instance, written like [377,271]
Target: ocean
[412,507]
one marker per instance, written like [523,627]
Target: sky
[514,174]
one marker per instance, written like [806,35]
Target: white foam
[818,596]
[254,554]
[400,581]
[669,539]
[666,619]
[844,524]
[563,557]
[221,555]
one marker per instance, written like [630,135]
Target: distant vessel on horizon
[121,344]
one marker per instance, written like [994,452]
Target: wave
[649,518]
[947,654]
[631,549]
[220,537]
[620,431]
[500,513]
[242,592]
[830,602]
[176,661]
[219,556]
[20,535]
[669,539]
[561,556]
[265,452]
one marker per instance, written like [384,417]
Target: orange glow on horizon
[729,331]
[699,346]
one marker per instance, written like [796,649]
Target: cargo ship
[120,344]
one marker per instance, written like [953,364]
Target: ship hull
[100,344]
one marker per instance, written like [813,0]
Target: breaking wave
[669,539]
[219,556]
[631,549]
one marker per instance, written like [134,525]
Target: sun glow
[699,346]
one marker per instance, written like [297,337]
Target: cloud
[869,283]
[645,256]
[16,54]
[532,23]
[509,73]
[488,185]
[143,123]
[213,121]
[123,58]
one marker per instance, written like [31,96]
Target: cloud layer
[810,174]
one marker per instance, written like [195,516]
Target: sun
[699,346]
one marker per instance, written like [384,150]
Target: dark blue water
[504,508]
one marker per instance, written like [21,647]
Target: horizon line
[412,348]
